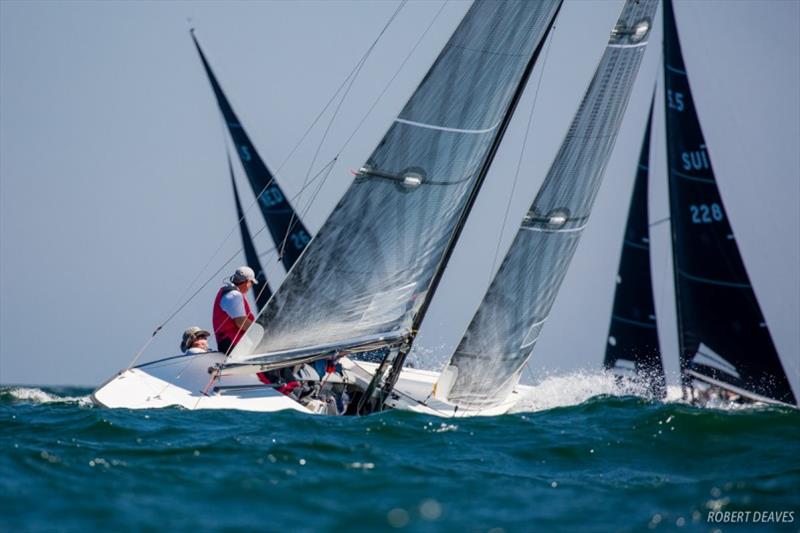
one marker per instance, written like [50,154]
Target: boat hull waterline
[185,381]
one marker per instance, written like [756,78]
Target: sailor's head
[195,337]
[244,278]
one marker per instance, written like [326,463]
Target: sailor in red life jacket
[232,316]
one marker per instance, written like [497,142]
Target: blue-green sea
[606,463]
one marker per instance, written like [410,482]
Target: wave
[575,388]
[36,395]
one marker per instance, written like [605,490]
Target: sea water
[575,457]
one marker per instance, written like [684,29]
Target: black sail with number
[633,348]
[369,273]
[261,291]
[285,227]
[723,337]
[498,342]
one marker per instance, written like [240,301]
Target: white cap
[242,274]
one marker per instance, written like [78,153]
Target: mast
[488,361]
[282,221]
[723,337]
[397,364]
[633,345]
[371,269]
[262,291]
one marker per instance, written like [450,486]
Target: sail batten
[372,267]
[722,335]
[511,316]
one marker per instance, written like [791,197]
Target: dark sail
[262,291]
[723,337]
[633,348]
[287,230]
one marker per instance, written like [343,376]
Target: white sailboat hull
[185,381]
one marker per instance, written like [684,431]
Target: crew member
[195,340]
[232,316]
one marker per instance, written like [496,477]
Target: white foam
[36,395]
[568,389]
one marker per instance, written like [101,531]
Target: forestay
[722,333]
[490,357]
[367,274]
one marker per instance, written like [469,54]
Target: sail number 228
[706,214]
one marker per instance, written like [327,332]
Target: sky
[115,202]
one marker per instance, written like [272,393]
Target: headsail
[489,359]
[633,348]
[261,292]
[722,333]
[285,227]
[368,273]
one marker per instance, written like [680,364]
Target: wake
[35,395]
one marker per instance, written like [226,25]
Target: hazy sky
[114,193]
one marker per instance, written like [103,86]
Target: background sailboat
[288,232]
[633,349]
[723,336]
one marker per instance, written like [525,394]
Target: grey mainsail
[490,357]
[367,275]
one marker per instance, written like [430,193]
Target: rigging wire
[521,153]
[372,107]
[352,80]
[329,166]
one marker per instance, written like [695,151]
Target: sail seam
[633,322]
[693,178]
[559,230]
[675,70]
[444,128]
[714,281]
[637,45]
[636,245]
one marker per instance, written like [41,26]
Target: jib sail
[490,357]
[285,227]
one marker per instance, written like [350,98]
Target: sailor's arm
[242,322]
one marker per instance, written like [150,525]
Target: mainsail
[285,227]
[261,291]
[633,348]
[367,275]
[723,337]
[491,355]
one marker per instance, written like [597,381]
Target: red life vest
[224,326]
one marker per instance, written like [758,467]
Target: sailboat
[724,341]
[726,351]
[633,350]
[365,281]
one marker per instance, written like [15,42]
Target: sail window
[412,180]
[640,30]
[622,34]
[557,218]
